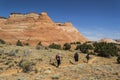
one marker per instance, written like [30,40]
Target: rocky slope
[32,28]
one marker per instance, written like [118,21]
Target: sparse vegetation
[105,49]
[19,43]
[72,43]
[78,42]
[27,52]
[39,43]
[26,65]
[42,64]
[118,59]
[75,42]
[2,41]
[12,53]
[39,46]
[66,46]
[26,44]
[55,77]
[84,48]
[101,49]
[55,46]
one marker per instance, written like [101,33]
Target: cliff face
[32,28]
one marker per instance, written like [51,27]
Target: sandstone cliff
[32,28]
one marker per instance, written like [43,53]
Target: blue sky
[95,19]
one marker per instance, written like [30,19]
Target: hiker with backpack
[76,57]
[88,57]
[58,58]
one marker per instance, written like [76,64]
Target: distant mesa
[108,40]
[32,28]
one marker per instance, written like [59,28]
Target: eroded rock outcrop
[32,28]
[107,40]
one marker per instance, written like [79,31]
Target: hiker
[76,57]
[58,59]
[87,57]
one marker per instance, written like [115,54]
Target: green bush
[26,44]
[66,46]
[77,47]
[39,43]
[105,49]
[2,41]
[72,43]
[19,43]
[26,65]
[84,48]
[78,42]
[55,46]
[12,53]
[39,46]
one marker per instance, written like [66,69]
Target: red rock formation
[32,28]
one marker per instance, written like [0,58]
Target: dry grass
[98,68]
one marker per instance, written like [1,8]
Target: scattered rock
[47,72]
[56,76]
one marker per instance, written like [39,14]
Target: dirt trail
[92,60]
[9,72]
[14,71]
[66,65]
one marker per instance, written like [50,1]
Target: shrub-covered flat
[31,63]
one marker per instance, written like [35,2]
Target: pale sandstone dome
[32,28]
[107,40]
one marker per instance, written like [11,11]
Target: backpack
[87,56]
[57,57]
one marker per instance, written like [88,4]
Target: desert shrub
[26,44]
[36,70]
[118,59]
[39,46]
[8,62]
[66,46]
[11,65]
[52,62]
[26,65]
[72,43]
[75,42]
[91,53]
[12,53]
[17,50]
[19,43]
[55,46]
[15,62]
[56,77]
[84,48]
[27,52]
[105,49]
[2,41]
[39,43]
[46,47]
[78,47]
[78,43]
